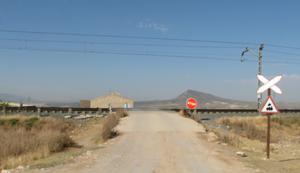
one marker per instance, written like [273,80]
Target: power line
[27,41]
[283,46]
[135,37]
[124,36]
[282,52]
[142,44]
[117,43]
[282,59]
[144,54]
[143,37]
[121,53]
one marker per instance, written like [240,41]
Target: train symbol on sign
[269,108]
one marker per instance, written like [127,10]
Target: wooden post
[268,129]
[4,110]
[110,108]
[39,111]
[99,111]
[70,111]
[268,136]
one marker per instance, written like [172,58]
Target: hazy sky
[67,70]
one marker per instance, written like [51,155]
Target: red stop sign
[191,103]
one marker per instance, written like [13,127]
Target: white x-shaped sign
[269,84]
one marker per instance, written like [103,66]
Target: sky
[146,49]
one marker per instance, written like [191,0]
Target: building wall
[85,103]
[113,100]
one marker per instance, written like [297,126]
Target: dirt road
[154,142]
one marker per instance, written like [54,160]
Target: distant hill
[205,101]
[26,101]
[12,98]
[62,104]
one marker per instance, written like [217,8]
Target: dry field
[248,134]
[33,140]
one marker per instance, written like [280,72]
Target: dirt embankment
[248,134]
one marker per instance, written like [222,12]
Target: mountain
[27,101]
[12,98]
[62,104]
[205,100]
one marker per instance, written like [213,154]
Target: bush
[108,126]
[286,121]
[4,104]
[121,113]
[58,142]
[248,127]
[32,135]
[110,122]
[228,138]
[30,122]
[13,122]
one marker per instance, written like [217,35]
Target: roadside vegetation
[30,138]
[254,128]
[3,104]
[27,140]
[248,134]
[109,123]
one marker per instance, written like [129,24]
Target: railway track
[77,110]
[230,110]
[49,110]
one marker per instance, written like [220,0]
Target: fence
[46,111]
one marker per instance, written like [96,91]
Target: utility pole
[259,56]
[259,99]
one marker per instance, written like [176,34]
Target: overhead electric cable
[124,36]
[143,54]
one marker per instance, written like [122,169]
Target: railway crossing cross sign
[269,84]
[191,103]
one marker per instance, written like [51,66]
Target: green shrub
[13,122]
[4,104]
[28,123]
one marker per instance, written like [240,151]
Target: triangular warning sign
[269,107]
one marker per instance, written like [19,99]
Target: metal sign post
[268,129]
[269,107]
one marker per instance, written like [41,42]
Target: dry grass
[249,127]
[248,134]
[122,113]
[110,122]
[254,128]
[183,112]
[289,121]
[24,139]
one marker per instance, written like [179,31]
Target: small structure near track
[113,100]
